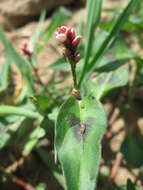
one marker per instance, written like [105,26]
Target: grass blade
[111,36]
[17,60]
[4,74]
[57,19]
[93,18]
[12,110]
[38,32]
[113,33]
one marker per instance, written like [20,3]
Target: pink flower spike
[66,37]
[76,42]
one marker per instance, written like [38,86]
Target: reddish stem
[116,166]
[23,184]
[112,120]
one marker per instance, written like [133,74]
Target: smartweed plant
[81,122]
[79,115]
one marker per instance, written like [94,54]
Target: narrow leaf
[113,33]
[57,19]
[93,18]
[12,110]
[18,60]
[110,37]
[38,32]
[4,74]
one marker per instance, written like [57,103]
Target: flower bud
[26,50]
[72,34]
[61,37]
[77,58]
[75,42]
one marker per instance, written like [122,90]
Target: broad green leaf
[93,18]
[132,151]
[80,127]
[110,38]
[15,58]
[105,82]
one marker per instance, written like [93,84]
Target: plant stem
[74,75]
[116,167]
[82,74]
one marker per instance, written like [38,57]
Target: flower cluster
[67,38]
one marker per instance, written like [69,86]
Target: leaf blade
[69,139]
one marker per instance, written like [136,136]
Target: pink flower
[67,38]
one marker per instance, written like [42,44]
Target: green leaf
[15,58]
[4,136]
[114,31]
[110,37]
[12,110]
[60,65]
[38,32]
[4,75]
[33,139]
[93,18]
[112,65]
[80,127]
[105,82]
[130,185]
[41,186]
[132,151]
[41,102]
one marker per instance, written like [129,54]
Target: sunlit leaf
[93,18]
[79,129]
[105,82]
